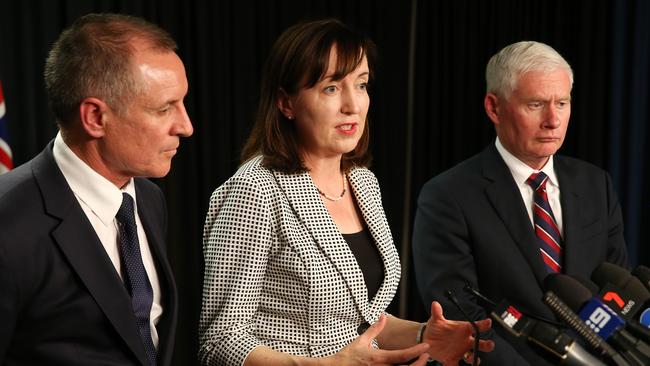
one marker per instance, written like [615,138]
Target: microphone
[599,317]
[593,339]
[643,274]
[450,295]
[545,337]
[564,349]
[626,295]
[612,297]
[489,305]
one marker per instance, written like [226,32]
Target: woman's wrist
[420,334]
[309,361]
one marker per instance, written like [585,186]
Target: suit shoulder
[15,180]
[253,171]
[462,174]
[250,176]
[17,189]
[578,166]
[24,221]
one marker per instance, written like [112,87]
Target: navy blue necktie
[546,229]
[134,273]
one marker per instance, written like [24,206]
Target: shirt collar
[520,171]
[98,193]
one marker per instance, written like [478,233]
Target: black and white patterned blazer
[278,271]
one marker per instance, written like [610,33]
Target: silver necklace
[343,181]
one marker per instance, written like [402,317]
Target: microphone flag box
[645,318]
[511,319]
[600,318]
[619,301]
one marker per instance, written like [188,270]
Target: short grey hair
[93,58]
[504,68]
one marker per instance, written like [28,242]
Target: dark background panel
[419,126]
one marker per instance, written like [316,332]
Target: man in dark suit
[505,218]
[84,278]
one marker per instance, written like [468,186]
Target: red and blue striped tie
[546,229]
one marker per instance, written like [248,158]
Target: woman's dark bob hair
[299,59]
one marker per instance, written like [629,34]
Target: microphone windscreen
[643,274]
[568,289]
[636,290]
[610,273]
[588,284]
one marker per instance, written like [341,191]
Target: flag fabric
[6,162]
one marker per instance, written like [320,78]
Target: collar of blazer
[79,243]
[574,207]
[504,195]
[151,223]
[303,196]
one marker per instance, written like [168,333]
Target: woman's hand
[450,340]
[361,351]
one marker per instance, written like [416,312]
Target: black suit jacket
[472,227]
[61,300]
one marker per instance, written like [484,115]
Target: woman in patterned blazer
[299,258]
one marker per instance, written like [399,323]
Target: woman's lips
[347,128]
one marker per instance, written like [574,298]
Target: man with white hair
[506,218]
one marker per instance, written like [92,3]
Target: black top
[368,258]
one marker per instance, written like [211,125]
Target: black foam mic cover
[610,273]
[568,289]
[643,274]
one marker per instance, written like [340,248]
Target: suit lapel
[156,239]
[79,243]
[571,202]
[373,216]
[504,196]
[303,197]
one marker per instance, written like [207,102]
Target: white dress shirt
[520,172]
[100,201]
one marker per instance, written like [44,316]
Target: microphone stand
[450,295]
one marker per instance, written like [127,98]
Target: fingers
[436,311]
[484,325]
[485,345]
[373,331]
[468,357]
[422,360]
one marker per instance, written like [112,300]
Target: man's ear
[491,103]
[92,113]
[284,104]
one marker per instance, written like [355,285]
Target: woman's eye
[330,89]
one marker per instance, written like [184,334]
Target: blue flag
[6,161]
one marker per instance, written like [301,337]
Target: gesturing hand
[450,340]
[361,351]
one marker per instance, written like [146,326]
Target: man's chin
[159,172]
[549,148]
